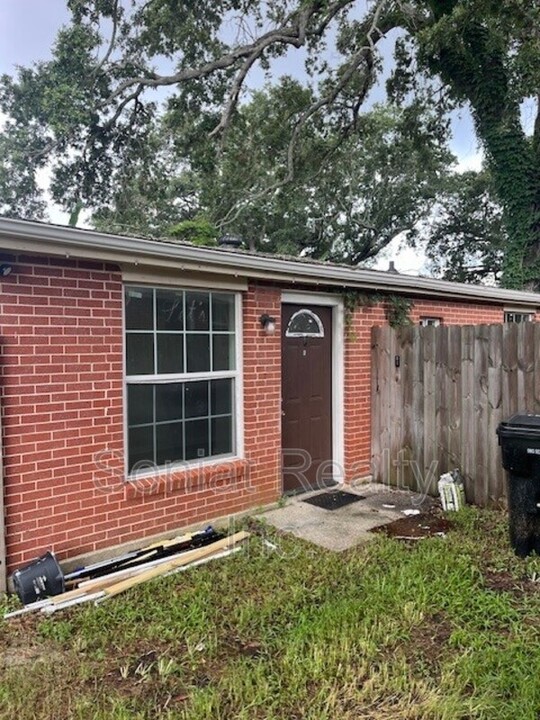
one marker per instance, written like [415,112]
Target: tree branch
[375,31]
[112,40]
[302,22]
[134,96]
[293,31]
[281,35]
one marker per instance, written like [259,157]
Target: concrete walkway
[347,526]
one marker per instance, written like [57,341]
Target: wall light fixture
[268,323]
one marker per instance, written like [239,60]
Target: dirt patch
[416,527]
[20,644]
[148,679]
[426,645]
[15,657]
[504,581]
[249,649]
[429,639]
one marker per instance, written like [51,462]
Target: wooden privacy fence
[438,395]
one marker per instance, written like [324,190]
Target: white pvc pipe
[54,607]
[28,608]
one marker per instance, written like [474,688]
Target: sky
[27,32]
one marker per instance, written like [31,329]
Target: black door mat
[333,500]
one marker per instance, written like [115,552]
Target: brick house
[143,388]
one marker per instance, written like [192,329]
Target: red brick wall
[61,366]
[62,394]
[63,419]
[358,368]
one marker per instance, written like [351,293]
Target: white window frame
[237,375]
[430,321]
[527,316]
[313,316]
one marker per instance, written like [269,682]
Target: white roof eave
[69,241]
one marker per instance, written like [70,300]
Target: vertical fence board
[481,353]
[395,410]
[430,410]
[495,488]
[453,390]
[418,390]
[441,406]
[536,374]
[468,447]
[377,413]
[526,365]
[407,395]
[509,366]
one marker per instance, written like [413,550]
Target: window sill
[214,475]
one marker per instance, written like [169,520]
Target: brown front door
[306,372]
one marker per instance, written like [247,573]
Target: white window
[518,317]
[430,321]
[305,323]
[181,370]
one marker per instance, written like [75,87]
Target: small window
[430,321]
[518,317]
[304,323]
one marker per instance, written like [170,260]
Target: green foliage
[489,56]
[58,630]
[293,168]
[397,310]
[352,300]
[388,172]
[396,307]
[152,191]
[466,236]
[200,231]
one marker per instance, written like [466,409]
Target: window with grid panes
[180,374]
[430,321]
[518,317]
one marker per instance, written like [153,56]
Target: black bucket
[40,579]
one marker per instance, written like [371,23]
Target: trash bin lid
[523,420]
[521,424]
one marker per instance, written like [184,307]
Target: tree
[488,55]
[347,200]
[152,191]
[465,236]
[91,108]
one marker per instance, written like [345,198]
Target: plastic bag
[451,490]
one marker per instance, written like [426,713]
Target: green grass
[448,628]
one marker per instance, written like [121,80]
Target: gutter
[138,251]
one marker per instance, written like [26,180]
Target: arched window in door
[305,323]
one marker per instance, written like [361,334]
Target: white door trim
[338,368]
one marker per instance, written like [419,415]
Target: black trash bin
[519,438]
